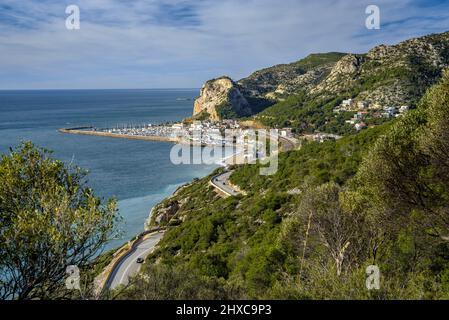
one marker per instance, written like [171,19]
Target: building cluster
[364,110]
[218,133]
[320,137]
[286,133]
[223,133]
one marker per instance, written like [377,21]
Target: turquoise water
[138,173]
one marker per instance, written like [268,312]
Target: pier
[216,134]
[90,131]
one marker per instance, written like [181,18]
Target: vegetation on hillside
[226,111]
[309,232]
[306,115]
[379,197]
[268,80]
[318,59]
[388,75]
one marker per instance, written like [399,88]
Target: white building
[286,132]
[362,104]
[178,126]
[360,126]
[403,109]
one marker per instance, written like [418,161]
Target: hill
[303,94]
[309,231]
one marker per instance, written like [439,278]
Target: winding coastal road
[128,266]
[287,144]
[221,182]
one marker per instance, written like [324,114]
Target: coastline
[88,131]
[121,252]
[82,131]
[235,158]
[104,279]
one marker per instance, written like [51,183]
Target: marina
[231,144]
[223,133]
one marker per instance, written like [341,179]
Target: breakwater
[91,132]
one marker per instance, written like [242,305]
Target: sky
[181,44]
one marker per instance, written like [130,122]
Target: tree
[407,172]
[49,220]
[177,282]
[322,225]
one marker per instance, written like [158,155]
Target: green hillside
[310,230]
[386,75]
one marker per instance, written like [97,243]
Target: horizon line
[92,89]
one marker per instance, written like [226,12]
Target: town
[364,111]
[228,132]
[225,133]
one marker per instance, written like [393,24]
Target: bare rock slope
[388,75]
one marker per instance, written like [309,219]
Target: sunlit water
[138,173]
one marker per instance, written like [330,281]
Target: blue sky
[180,44]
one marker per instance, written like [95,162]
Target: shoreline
[82,131]
[178,140]
[235,158]
[122,251]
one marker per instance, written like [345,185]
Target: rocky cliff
[283,80]
[388,75]
[221,98]
[224,98]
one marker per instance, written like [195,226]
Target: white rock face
[380,52]
[341,75]
[217,92]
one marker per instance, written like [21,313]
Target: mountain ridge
[387,74]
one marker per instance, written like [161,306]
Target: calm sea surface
[138,173]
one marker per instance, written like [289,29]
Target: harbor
[226,133]
[247,148]
[92,131]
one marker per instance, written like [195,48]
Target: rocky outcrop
[387,74]
[165,212]
[341,75]
[220,93]
[283,80]
[223,97]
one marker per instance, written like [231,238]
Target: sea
[138,173]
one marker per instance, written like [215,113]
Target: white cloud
[149,44]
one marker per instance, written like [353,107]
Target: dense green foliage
[49,220]
[310,230]
[318,59]
[307,115]
[314,163]
[226,111]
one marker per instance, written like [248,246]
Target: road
[128,267]
[287,144]
[221,182]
